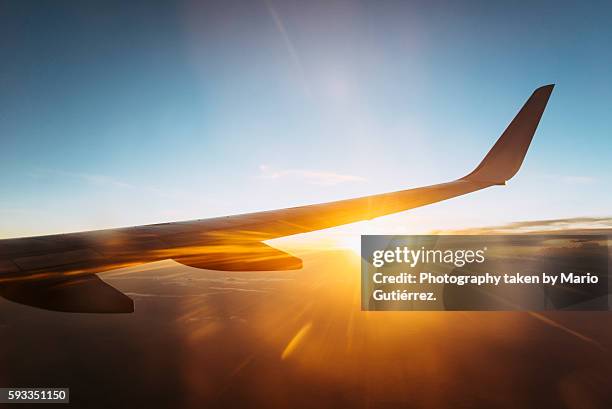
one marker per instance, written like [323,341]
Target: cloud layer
[586,225]
[313,177]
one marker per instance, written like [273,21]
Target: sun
[350,241]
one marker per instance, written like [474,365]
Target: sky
[127,113]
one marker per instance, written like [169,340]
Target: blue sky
[125,114]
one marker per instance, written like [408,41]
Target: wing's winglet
[505,158]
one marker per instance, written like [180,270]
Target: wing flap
[82,293]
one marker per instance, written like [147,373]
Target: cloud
[89,178]
[572,179]
[578,180]
[578,225]
[313,177]
[104,181]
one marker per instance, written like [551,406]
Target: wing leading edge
[39,271]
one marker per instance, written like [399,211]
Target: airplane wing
[57,272]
